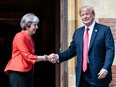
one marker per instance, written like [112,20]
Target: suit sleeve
[110,49]
[69,53]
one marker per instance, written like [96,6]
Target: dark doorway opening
[45,37]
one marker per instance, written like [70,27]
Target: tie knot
[87,29]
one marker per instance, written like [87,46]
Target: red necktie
[85,50]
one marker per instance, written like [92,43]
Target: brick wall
[111,22]
[113,83]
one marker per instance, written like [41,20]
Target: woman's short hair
[27,19]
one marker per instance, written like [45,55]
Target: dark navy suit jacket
[101,53]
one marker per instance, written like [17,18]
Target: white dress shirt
[90,31]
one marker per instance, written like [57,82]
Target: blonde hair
[88,8]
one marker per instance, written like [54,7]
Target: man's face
[87,17]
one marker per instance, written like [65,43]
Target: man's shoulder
[101,25]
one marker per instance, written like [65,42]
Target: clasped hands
[53,58]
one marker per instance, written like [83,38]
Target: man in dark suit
[100,52]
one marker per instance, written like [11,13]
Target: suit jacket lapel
[29,41]
[81,38]
[94,33]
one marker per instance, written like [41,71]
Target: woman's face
[32,29]
[87,17]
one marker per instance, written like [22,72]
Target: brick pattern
[113,83]
[111,22]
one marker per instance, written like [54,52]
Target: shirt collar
[91,26]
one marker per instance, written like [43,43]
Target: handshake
[53,58]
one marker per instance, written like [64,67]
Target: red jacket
[23,57]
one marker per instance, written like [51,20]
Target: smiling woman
[44,38]
[23,58]
[29,23]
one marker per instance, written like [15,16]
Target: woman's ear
[28,24]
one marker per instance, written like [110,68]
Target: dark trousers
[84,83]
[86,79]
[21,79]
